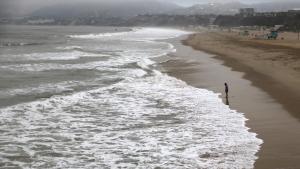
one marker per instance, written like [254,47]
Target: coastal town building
[294,11]
[247,12]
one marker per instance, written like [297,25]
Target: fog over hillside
[233,8]
[123,9]
[129,8]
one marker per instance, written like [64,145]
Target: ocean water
[93,97]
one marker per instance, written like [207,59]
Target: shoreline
[268,117]
[278,77]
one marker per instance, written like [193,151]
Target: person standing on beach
[226,90]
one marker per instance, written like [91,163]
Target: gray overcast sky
[191,2]
[180,2]
[23,6]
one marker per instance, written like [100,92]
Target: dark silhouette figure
[226,90]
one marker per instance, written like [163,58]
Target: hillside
[233,8]
[120,9]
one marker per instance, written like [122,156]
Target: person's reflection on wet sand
[227,101]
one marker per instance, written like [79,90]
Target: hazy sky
[180,2]
[23,6]
[191,2]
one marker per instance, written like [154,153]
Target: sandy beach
[264,84]
[274,66]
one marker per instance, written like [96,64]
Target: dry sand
[266,91]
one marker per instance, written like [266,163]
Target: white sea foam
[72,55]
[138,34]
[158,121]
[130,52]
[70,48]
[130,55]
[62,87]
[148,120]
[101,35]
[35,67]
[111,65]
[45,88]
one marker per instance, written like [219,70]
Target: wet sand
[274,66]
[268,116]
